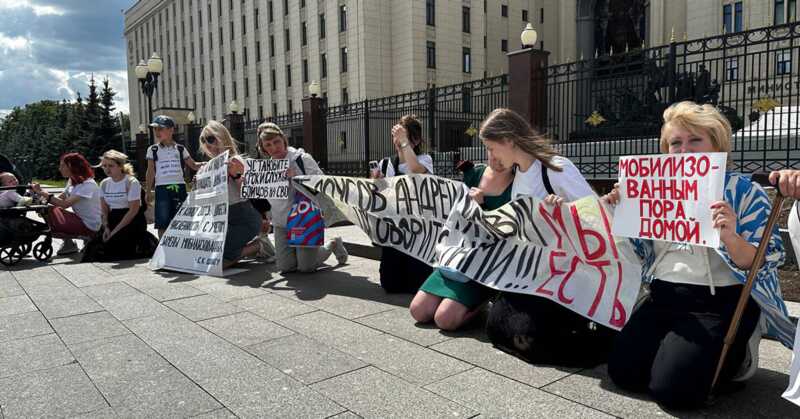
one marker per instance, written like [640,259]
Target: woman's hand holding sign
[724,218]
[612,198]
[476,194]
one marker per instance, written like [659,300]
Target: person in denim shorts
[165,162]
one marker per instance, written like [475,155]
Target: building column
[527,85]
[314,134]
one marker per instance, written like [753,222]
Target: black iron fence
[291,125]
[608,106]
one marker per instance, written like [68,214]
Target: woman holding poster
[532,327]
[671,345]
[244,222]
[273,144]
[451,303]
[400,273]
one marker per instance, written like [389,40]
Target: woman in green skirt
[450,303]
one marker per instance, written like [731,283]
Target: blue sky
[50,48]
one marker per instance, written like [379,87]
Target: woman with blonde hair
[244,222]
[124,228]
[537,329]
[671,344]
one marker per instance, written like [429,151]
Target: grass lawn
[58,183]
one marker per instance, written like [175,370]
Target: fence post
[193,139]
[366,138]
[314,135]
[234,122]
[142,141]
[527,85]
[432,117]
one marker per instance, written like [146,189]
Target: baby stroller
[18,233]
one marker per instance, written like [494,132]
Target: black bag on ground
[544,332]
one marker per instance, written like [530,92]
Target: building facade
[264,53]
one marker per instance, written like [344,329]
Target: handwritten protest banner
[265,179]
[195,239]
[668,197]
[563,253]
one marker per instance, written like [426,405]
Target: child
[10,198]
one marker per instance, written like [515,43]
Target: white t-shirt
[424,159]
[118,194]
[168,164]
[568,183]
[88,207]
[9,199]
[686,264]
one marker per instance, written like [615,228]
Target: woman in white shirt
[82,195]
[532,327]
[400,273]
[125,233]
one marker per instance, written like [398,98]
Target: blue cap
[163,121]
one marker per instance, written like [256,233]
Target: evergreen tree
[92,124]
[109,130]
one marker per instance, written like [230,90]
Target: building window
[258,51]
[289,106]
[345,96]
[504,10]
[431,54]
[343,64]
[232,33]
[258,88]
[541,15]
[244,57]
[504,45]
[244,24]
[322,26]
[269,11]
[274,109]
[286,40]
[465,19]
[302,3]
[780,13]
[323,64]
[285,7]
[255,18]
[342,18]
[783,62]
[430,12]
[303,39]
[288,75]
[524,15]
[272,45]
[233,61]
[737,17]
[791,10]
[273,82]
[305,71]
[466,60]
[234,90]
[727,18]
[260,112]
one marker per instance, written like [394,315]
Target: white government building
[265,53]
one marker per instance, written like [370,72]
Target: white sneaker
[750,362]
[337,246]
[67,248]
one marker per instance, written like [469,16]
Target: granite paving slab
[60,301]
[372,393]
[17,304]
[9,286]
[18,326]
[202,307]
[216,414]
[326,327]
[30,354]
[273,307]
[245,329]
[495,396]
[398,322]
[172,292]
[227,290]
[133,306]
[138,382]
[84,274]
[62,391]
[106,292]
[38,276]
[305,359]
[86,327]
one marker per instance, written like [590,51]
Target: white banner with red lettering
[563,253]
[668,197]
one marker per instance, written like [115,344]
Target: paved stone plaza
[118,340]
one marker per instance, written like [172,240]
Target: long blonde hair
[695,119]
[218,131]
[121,159]
[506,125]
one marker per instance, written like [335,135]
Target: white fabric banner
[792,392]
[563,253]
[265,179]
[667,197]
[195,238]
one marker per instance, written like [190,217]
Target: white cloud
[14,43]
[38,9]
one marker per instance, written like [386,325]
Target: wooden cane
[758,259]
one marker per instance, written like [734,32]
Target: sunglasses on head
[210,139]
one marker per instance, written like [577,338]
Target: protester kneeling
[531,327]
[671,345]
[273,144]
[124,232]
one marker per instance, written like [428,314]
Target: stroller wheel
[43,250]
[25,248]
[10,255]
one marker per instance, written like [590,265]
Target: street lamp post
[147,73]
